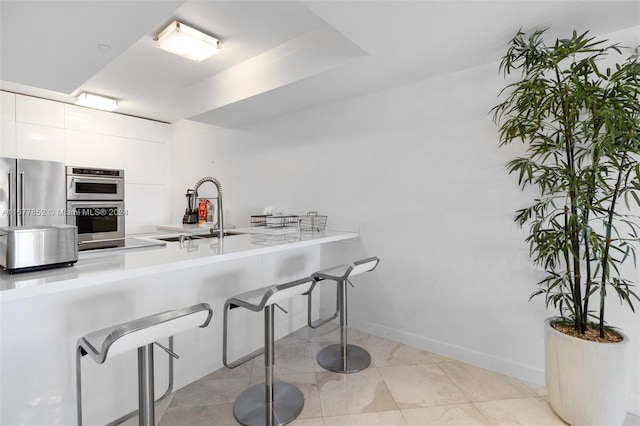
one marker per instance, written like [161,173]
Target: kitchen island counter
[43,313]
[99,267]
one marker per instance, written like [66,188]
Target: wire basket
[312,222]
[274,221]
[265,235]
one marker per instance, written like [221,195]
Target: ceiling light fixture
[95,101]
[187,42]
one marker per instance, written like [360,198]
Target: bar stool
[270,403]
[342,357]
[140,333]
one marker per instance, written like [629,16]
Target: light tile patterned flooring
[403,386]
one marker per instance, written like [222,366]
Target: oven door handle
[98,179]
[96,188]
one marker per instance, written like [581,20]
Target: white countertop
[96,267]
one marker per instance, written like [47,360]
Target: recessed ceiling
[59,45]
[277,56]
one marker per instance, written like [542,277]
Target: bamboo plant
[581,128]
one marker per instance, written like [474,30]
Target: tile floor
[403,386]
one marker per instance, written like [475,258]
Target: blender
[190,213]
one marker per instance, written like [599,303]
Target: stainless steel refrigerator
[32,192]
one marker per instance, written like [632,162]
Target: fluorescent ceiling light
[98,102]
[187,42]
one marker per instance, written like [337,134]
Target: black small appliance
[190,213]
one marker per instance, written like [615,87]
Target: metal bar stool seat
[140,333]
[270,403]
[342,357]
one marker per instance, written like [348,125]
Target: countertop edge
[12,294]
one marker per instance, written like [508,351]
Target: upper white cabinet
[7,106]
[7,138]
[41,129]
[7,124]
[39,142]
[39,111]
[148,130]
[92,120]
[93,150]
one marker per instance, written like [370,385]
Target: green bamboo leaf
[581,130]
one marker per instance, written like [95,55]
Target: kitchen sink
[199,237]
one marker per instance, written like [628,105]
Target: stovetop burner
[120,244]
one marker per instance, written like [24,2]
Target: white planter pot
[587,382]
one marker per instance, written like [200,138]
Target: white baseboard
[634,404]
[460,353]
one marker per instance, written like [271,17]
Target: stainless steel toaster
[25,248]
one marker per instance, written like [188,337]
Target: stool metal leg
[343,357]
[343,321]
[79,385]
[270,403]
[268,363]
[146,413]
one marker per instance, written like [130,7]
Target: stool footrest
[319,323]
[244,359]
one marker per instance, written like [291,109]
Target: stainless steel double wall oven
[95,204]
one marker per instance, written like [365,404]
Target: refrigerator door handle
[21,212]
[12,206]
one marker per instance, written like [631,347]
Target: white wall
[41,129]
[419,167]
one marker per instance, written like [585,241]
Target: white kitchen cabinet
[39,111]
[92,120]
[41,129]
[94,150]
[39,142]
[7,106]
[148,130]
[7,138]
